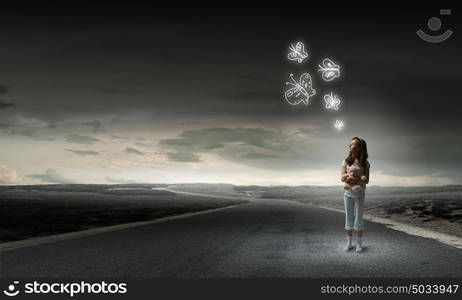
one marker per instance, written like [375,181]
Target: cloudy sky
[124,94]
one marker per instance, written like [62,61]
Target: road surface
[264,238]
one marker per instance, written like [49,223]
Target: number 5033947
[434,288]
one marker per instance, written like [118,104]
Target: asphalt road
[265,238]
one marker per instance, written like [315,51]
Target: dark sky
[145,93]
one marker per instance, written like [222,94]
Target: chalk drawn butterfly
[338,124]
[300,91]
[332,101]
[329,70]
[297,52]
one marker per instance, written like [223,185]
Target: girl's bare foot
[348,245]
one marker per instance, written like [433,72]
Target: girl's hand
[352,180]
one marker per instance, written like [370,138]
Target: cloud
[255,155]
[97,125]
[82,152]
[28,133]
[31,134]
[420,155]
[405,98]
[8,175]
[133,151]
[81,139]
[51,176]
[256,147]
[5,104]
[256,96]
[422,180]
[183,157]
[150,144]
[116,137]
[263,103]
[302,149]
[27,122]
[208,139]
[4,89]
[118,180]
[248,77]
[118,90]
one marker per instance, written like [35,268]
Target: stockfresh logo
[11,290]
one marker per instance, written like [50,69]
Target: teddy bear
[353,173]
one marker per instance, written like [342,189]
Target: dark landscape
[437,208]
[41,210]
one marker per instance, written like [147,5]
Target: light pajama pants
[354,207]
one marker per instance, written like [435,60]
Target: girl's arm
[343,174]
[366,173]
[345,177]
[350,180]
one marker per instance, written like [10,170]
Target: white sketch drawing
[332,101]
[329,69]
[300,91]
[297,52]
[338,124]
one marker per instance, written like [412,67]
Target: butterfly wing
[295,96]
[293,53]
[305,80]
[327,99]
[335,103]
[303,53]
[329,75]
[329,64]
[300,47]
[301,50]
[295,56]
[330,70]
[297,52]
[306,83]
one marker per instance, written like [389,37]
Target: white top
[351,193]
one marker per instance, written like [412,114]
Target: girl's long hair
[362,154]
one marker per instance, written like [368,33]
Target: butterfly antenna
[292,77]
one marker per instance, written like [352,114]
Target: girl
[354,199]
